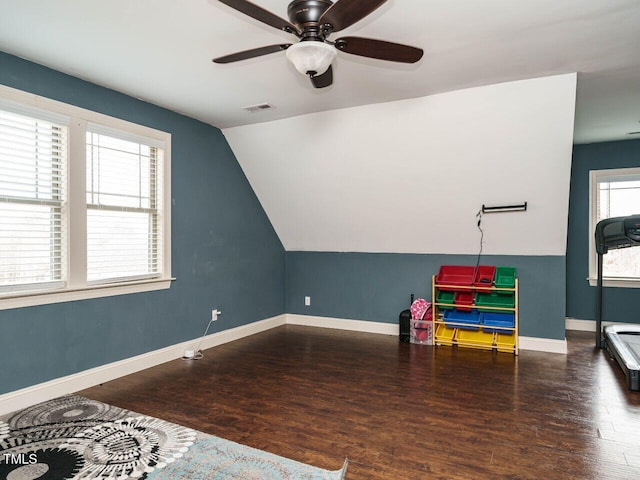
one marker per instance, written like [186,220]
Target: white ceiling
[161,51]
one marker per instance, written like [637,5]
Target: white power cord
[197,353]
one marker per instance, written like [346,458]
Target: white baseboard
[580,325]
[548,345]
[42,392]
[525,343]
[365,326]
[583,325]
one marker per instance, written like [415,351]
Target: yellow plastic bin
[475,339]
[506,343]
[445,335]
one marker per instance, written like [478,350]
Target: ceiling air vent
[257,108]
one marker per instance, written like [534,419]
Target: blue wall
[377,286]
[225,253]
[619,304]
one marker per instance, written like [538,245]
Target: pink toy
[421,309]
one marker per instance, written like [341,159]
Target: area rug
[73,437]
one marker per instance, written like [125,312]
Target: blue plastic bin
[505,320]
[467,320]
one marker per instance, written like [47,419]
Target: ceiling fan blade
[379,49]
[344,13]
[264,16]
[324,80]
[254,52]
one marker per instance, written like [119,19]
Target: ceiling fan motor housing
[306,13]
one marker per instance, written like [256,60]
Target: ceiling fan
[313,21]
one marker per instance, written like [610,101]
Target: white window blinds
[33,154]
[124,210]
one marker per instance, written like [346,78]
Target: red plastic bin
[484,275]
[455,275]
[464,300]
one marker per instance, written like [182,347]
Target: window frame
[51,195]
[154,208]
[78,120]
[595,178]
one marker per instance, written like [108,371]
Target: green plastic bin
[445,296]
[505,277]
[495,299]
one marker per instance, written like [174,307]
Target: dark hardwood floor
[401,411]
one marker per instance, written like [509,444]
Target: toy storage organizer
[476,307]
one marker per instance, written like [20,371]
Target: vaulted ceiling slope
[409,176]
[161,51]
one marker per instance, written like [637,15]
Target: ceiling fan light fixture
[311,56]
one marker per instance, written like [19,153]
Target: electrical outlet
[307,301]
[214,314]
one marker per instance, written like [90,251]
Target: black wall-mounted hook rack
[505,208]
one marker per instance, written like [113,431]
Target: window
[84,208]
[32,196]
[123,209]
[615,193]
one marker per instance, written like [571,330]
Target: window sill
[29,299]
[616,282]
